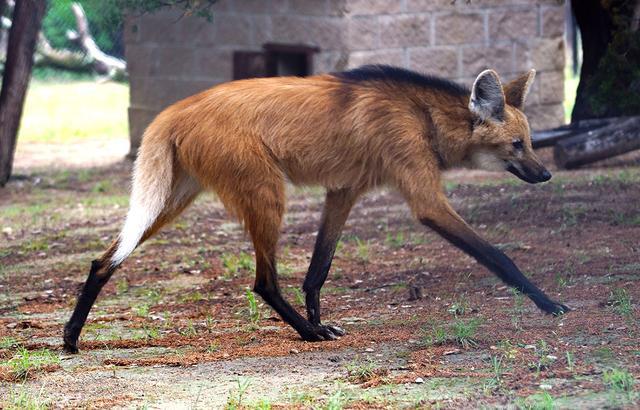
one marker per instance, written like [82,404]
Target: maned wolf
[348,132]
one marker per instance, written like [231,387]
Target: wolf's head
[501,139]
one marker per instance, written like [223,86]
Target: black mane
[392,74]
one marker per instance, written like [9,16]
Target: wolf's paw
[554,308]
[70,340]
[324,332]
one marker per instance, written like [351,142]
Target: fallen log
[112,67]
[548,138]
[620,136]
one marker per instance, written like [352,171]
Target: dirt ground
[426,325]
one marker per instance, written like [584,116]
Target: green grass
[460,332]
[71,111]
[23,399]
[24,363]
[618,380]
[570,87]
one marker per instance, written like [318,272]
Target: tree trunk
[609,79]
[620,136]
[27,19]
[596,28]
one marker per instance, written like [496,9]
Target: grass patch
[460,332]
[59,112]
[25,362]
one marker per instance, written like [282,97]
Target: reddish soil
[576,238]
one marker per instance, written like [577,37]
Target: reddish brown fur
[245,139]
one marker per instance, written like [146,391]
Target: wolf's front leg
[336,210]
[439,216]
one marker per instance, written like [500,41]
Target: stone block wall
[171,57]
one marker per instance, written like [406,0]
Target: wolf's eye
[517,145]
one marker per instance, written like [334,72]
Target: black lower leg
[98,276]
[336,210]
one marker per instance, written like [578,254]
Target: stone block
[324,32]
[405,30]
[367,7]
[552,19]
[363,33]
[308,8]
[436,61]
[477,59]
[213,64]
[545,116]
[262,30]
[513,23]
[160,28]
[541,54]
[330,61]
[459,28]
[551,84]
[173,61]
[139,59]
[389,56]
[139,119]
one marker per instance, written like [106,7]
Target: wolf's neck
[449,130]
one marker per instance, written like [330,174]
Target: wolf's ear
[515,92]
[487,97]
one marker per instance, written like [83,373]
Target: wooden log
[102,63]
[548,138]
[619,137]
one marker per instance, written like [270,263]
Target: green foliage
[234,264]
[25,362]
[234,401]
[620,300]
[461,332]
[540,401]
[361,371]
[618,380]
[254,311]
[614,90]
[105,24]
[23,399]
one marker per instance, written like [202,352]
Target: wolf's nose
[545,175]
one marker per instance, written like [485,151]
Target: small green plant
[395,241]
[254,311]
[234,401]
[461,332]
[213,346]
[618,380]
[361,371]
[459,307]
[234,264]
[539,401]
[518,309]
[620,300]
[142,310]
[122,286]
[189,330]
[23,399]
[571,362]
[151,332]
[299,296]
[464,332]
[24,363]
[9,343]
[543,357]
[336,401]
[362,250]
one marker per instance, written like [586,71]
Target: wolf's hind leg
[183,191]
